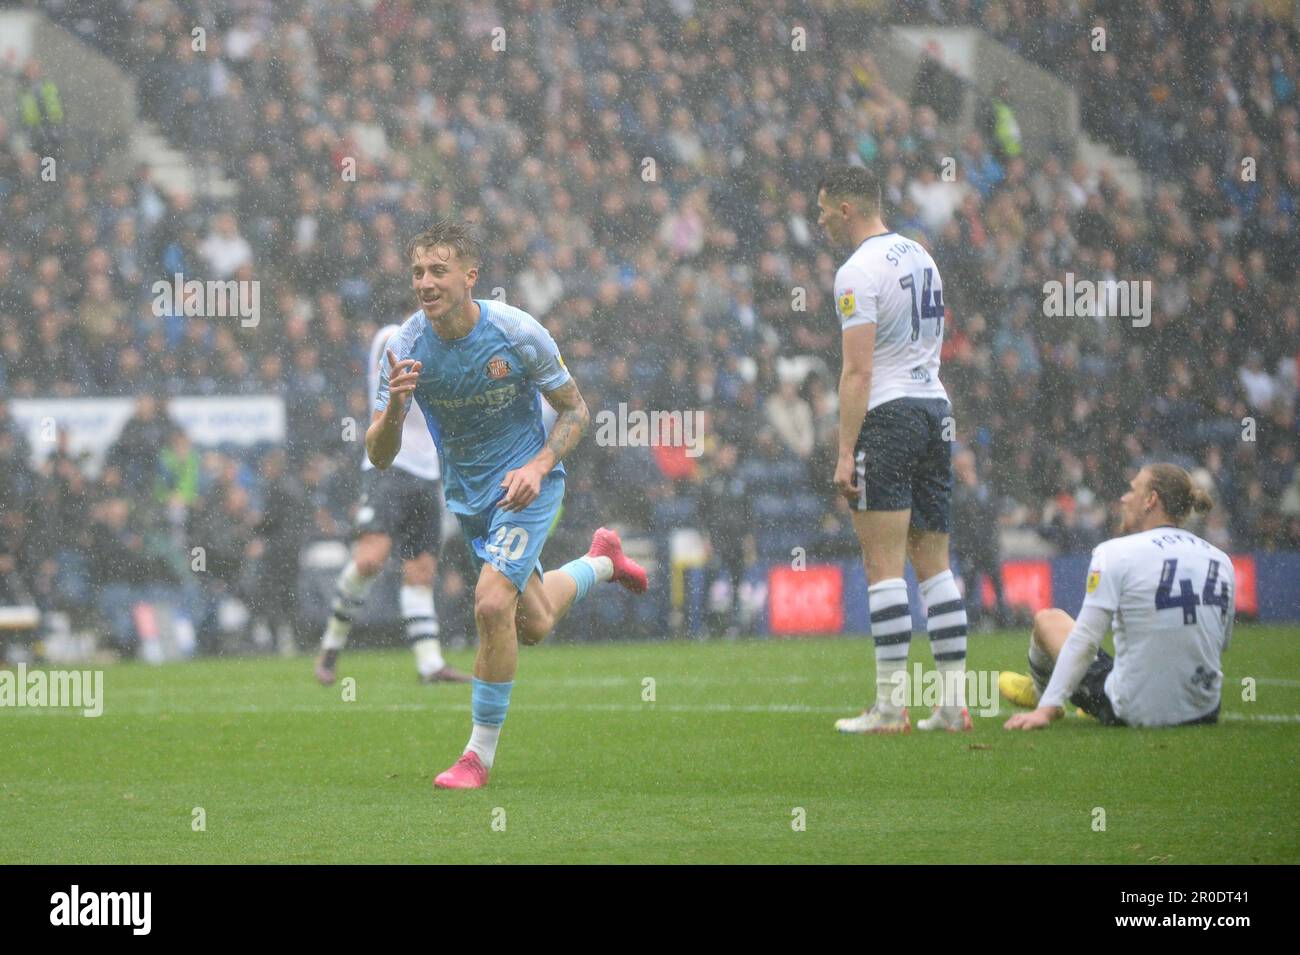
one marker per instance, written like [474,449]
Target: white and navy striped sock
[421,620]
[891,629]
[349,596]
[945,619]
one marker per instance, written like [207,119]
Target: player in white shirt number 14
[895,452]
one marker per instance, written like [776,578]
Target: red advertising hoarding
[805,601]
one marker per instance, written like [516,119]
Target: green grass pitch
[738,738]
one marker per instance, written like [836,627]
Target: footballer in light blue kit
[478,370]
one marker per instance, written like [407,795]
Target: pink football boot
[468,772]
[605,543]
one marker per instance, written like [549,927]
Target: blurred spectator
[128,566]
[225,250]
[540,286]
[16,482]
[280,525]
[975,537]
[997,121]
[138,449]
[41,107]
[177,483]
[725,513]
[221,525]
[791,418]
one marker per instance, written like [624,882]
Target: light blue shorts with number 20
[511,541]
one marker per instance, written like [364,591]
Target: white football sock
[428,656]
[483,743]
[603,566]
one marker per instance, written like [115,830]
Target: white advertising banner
[93,424]
[243,421]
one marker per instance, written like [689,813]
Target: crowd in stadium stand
[671,289]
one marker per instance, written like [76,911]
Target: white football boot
[876,720]
[954,719]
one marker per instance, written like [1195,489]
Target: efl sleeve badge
[847,303]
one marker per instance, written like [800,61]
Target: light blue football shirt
[481,396]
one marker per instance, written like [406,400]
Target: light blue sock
[583,574]
[489,702]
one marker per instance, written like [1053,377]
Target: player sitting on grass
[1169,597]
[477,369]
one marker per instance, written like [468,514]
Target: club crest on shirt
[847,303]
[1094,578]
[498,367]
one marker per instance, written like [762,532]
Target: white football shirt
[893,281]
[419,455]
[1173,597]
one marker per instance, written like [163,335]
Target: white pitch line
[460,708]
[340,707]
[599,682]
[634,683]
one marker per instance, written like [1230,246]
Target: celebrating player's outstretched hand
[403,376]
[522,487]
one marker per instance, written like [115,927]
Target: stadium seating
[697,263]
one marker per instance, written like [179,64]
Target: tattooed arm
[524,484]
[569,427]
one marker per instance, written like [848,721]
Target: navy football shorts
[903,461]
[1092,699]
[403,507]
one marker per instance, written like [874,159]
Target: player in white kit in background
[402,504]
[1169,598]
[895,446]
